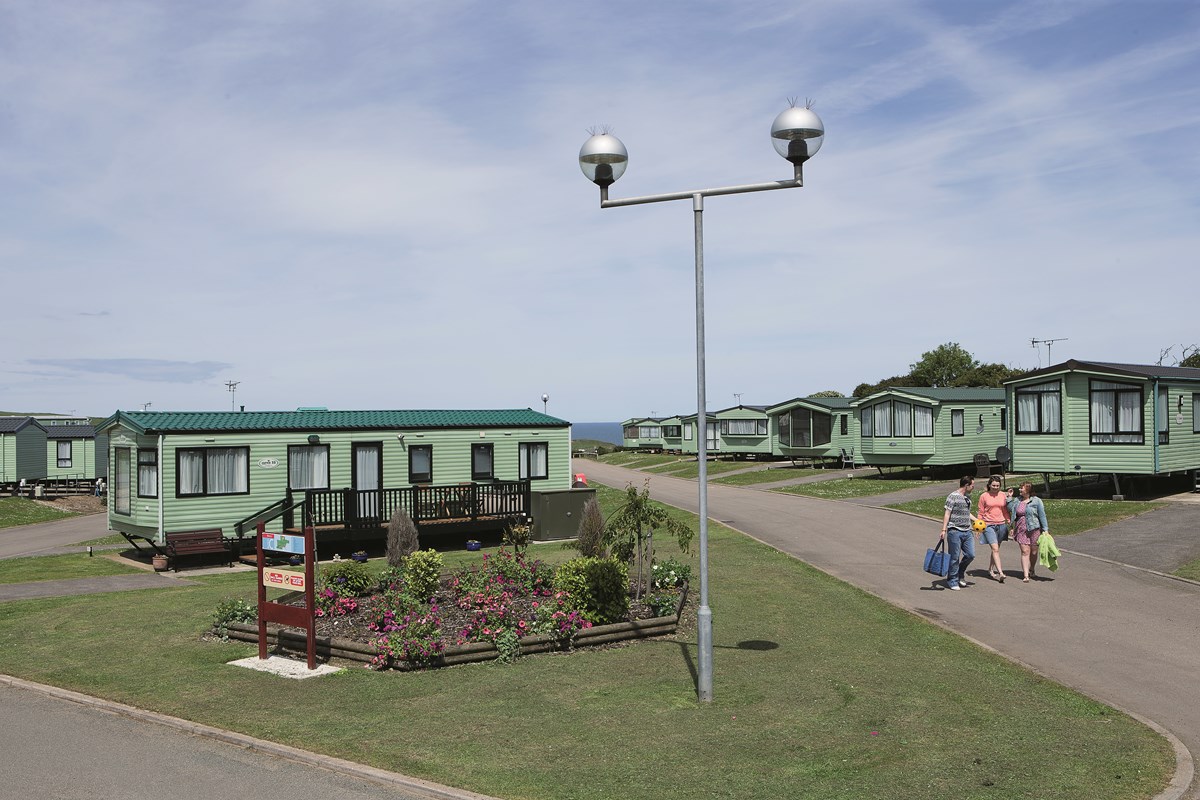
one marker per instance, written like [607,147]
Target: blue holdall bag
[937,560]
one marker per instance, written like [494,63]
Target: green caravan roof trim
[937,395]
[155,422]
[1133,371]
[816,403]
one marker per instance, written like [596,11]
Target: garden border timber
[327,647]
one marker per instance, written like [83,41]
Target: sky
[378,205]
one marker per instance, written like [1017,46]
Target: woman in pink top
[993,510]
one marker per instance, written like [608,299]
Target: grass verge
[842,488]
[1066,517]
[19,511]
[690,470]
[1191,570]
[820,691]
[60,567]
[771,475]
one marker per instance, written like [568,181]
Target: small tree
[589,540]
[402,540]
[827,393]
[630,533]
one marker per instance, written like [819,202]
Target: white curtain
[922,421]
[147,473]
[308,467]
[1027,412]
[191,472]
[903,417]
[1051,412]
[883,418]
[533,460]
[227,471]
[120,484]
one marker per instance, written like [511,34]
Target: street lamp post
[797,134]
[545,402]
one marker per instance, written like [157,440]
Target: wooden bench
[197,543]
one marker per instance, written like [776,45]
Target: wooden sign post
[269,611]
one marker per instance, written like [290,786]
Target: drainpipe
[161,537]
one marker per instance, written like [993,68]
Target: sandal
[1025,579]
[1000,576]
[994,575]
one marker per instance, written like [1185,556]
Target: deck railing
[371,508]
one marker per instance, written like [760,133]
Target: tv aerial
[1049,343]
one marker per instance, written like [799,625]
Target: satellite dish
[1003,453]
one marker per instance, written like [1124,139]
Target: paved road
[28,540]
[1126,636]
[56,748]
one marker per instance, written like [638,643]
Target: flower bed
[504,607]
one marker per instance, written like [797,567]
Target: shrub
[669,573]
[664,603]
[555,617]
[415,638]
[589,539]
[390,580]
[347,578]
[517,536]
[233,610]
[598,587]
[401,538]
[423,573]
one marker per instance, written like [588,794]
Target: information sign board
[283,543]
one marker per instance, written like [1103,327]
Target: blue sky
[377,204]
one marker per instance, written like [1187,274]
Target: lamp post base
[704,672]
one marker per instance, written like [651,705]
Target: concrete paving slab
[284,667]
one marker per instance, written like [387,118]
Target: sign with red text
[283,579]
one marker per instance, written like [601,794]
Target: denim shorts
[994,534]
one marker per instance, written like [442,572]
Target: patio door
[713,438]
[367,472]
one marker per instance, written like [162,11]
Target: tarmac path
[1121,634]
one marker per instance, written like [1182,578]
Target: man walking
[956,530]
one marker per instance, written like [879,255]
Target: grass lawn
[19,511]
[635,460]
[771,475]
[841,488]
[820,691]
[690,469]
[1065,516]
[1190,570]
[60,567]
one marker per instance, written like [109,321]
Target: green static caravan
[744,431]
[712,443]
[652,433]
[1103,418]
[22,450]
[817,428]
[179,471]
[924,427]
[75,451]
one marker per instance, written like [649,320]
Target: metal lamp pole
[797,134]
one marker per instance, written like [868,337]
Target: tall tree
[864,389]
[942,366]
[989,375]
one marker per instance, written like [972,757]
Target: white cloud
[377,205]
